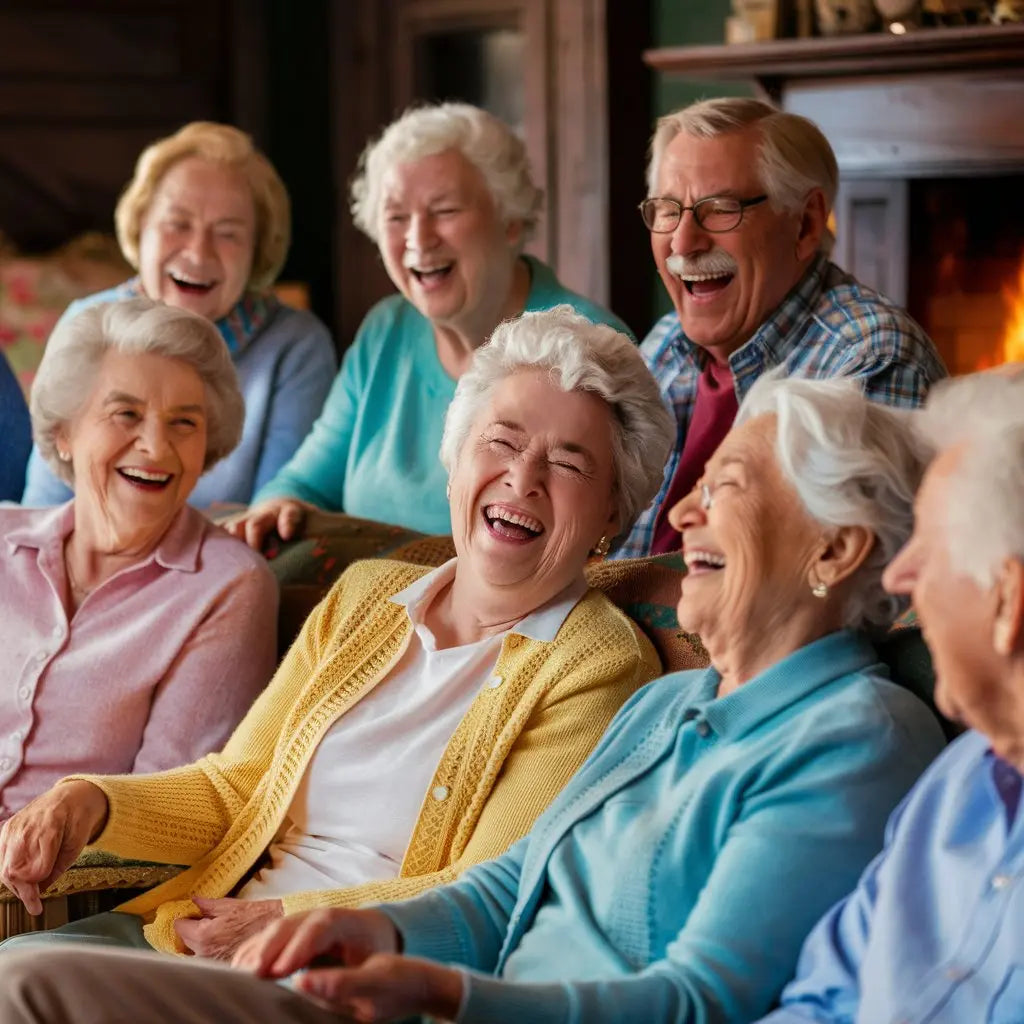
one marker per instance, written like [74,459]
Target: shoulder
[291,335]
[660,338]
[225,558]
[547,291]
[299,325]
[597,621]
[373,580]
[77,305]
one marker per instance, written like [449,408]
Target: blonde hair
[225,146]
[139,325]
[484,140]
[794,157]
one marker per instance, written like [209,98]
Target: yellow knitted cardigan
[516,747]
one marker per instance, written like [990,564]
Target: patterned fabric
[246,319]
[828,326]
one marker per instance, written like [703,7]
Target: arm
[221,668]
[559,734]
[316,472]
[302,382]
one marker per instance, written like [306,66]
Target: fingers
[258,953]
[290,520]
[190,931]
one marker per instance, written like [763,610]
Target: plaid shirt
[828,326]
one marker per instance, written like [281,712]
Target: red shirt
[713,414]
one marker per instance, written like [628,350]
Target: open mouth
[191,285]
[510,524]
[700,561]
[701,285]
[145,479]
[430,276]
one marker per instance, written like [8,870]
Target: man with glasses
[739,196]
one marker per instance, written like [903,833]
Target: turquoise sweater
[373,452]
[677,874]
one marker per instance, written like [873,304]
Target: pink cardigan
[156,668]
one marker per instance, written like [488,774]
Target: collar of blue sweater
[777,688]
[246,319]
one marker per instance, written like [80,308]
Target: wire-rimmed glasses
[713,213]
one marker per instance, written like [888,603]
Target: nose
[687,512]
[152,437]
[199,244]
[523,476]
[689,236]
[420,235]
[901,573]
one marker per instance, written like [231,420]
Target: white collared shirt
[358,802]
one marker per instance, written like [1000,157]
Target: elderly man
[932,932]
[739,196]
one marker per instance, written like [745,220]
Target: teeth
[515,518]
[431,270]
[704,557]
[704,277]
[145,474]
[186,279]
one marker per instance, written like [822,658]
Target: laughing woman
[124,610]
[423,719]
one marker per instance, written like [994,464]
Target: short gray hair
[579,356]
[984,412]
[852,462]
[484,140]
[78,344]
[794,156]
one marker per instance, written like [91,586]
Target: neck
[95,549]
[457,341]
[740,654]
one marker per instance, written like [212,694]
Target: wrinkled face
[443,244]
[957,618]
[533,489]
[138,445]
[724,286]
[197,238]
[749,555]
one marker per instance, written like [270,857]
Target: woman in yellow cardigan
[423,718]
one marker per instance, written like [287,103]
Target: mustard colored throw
[515,749]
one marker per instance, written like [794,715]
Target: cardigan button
[703,729]
[439,793]
[494,682]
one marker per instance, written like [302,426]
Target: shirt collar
[245,320]
[178,548]
[541,624]
[784,684]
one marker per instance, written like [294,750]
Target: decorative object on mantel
[752,21]
[956,12]
[899,15]
[845,17]
[1007,12]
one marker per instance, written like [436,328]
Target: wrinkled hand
[286,515]
[386,987]
[294,942]
[225,924]
[41,841]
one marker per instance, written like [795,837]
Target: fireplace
[928,129]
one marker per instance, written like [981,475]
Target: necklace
[78,592]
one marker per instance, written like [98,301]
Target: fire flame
[1012,344]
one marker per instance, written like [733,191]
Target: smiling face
[444,245]
[973,683]
[748,555]
[532,490]
[197,238]
[137,446]
[725,285]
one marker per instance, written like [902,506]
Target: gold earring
[601,547]
[820,590]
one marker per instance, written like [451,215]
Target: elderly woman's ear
[841,556]
[1008,622]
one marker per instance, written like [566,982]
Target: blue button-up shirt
[828,326]
[933,933]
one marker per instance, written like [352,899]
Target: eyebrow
[125,398]
[186,212]
[561,446]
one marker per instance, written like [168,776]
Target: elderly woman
[675,876]
[446,195]
[124,610]
[423,719]
[206,222]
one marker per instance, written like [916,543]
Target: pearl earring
[820,590]
[64,456]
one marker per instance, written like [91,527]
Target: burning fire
[1012,344]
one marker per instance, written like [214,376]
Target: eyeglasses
[714,213]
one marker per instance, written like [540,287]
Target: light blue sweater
[374,451]
[284,372]
[677,874]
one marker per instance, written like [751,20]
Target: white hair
[794,156]
[76,349]
[852,462]
[484,140]
[983,412]
[579,356]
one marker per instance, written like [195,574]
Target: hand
[348,936]
[41,841]
[286,515]
[225,924]
[386,987]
